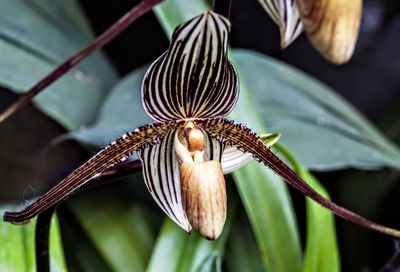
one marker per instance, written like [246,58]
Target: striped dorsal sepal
[194,78]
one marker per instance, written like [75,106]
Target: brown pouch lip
[204,196]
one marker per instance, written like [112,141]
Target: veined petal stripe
[285,14]
[214,149]
[194,78]
[161,173]
[233,159]
[272,9]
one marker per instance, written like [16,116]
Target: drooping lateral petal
[286,15]
[242,137]
[114,153]
[193,78]
[162,178]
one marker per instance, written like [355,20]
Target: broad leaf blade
[121,111]
[321,252]
[170,245]
[268,206]
[34,39]
[311,117]
[239,257]
[174,12]
[122,233]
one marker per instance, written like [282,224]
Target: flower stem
[42,233]
[107,36]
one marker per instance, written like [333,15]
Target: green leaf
[211,264]
[268,205]
[35,37]
[122,111]
[177,251]
[17,251]
[170,245]
[239,257]
[321,252]
[174,12]
[121,232]
[311,117]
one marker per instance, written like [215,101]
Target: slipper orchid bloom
[186,151]
[331,25]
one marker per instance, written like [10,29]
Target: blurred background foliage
[116,226]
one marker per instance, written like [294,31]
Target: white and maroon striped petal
[214,149]
[162,178]
[234,158]
[194,78]
[286,15]
[161,175]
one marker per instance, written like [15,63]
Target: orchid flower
[285,15]
[188,91]
[331,25]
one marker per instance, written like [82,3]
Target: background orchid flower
[285,15]
[188,91]
[331,25]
